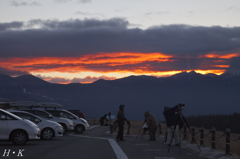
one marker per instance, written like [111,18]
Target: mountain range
[201,94]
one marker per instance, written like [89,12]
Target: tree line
[220,122]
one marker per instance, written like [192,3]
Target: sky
[81,41]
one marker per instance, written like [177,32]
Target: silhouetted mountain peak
[30,79]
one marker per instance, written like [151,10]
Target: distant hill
[202,94]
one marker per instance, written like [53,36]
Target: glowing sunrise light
[109,66]
[217,72]
[226,56]
[81,64]
[222,66]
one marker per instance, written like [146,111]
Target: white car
[80,124]
[32,107]
[49,129]
[16,129]
[67,124]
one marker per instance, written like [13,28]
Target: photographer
[171,118]
[104,117]
[152,125]
[121,121]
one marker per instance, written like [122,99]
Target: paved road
[97,143]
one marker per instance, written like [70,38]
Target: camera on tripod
[181,105]
[180,108]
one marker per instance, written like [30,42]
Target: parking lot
[93,144]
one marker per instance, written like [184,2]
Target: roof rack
[23,104]
[50,105]
[4,105]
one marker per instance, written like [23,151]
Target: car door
[3,126]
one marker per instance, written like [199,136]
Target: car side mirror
[50,116]
[3,117]
[36,121]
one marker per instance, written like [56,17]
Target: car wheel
[64,127]
[79,129]
[47,134]
[19,137]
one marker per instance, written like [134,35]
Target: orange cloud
[226,56]
[222,66]
[217,72]
[78,64]
[153,64]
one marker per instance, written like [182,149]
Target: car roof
[50,105]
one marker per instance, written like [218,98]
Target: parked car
[16,129]
[49,129]
[80,124]
[67,124]
[78,113]
[33,108]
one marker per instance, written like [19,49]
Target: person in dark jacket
[152,125]
[104,117]
[171,118]
[121,121]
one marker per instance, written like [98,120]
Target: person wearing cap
[152,125]
[121,121]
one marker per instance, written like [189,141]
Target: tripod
[141,130]
[179,117]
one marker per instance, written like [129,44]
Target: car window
[67,115]
[41,114]
[30,111]
[54,113]
[27,116]
[8,117]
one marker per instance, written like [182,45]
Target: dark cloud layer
[22,3]
[78,1]
[234,66]
[11,26]
[89,36]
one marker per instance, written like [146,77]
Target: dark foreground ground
[97,143]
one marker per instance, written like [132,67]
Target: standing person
[171,118]
[152,125]
[121,121]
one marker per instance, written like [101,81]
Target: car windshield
[28,116]
[66,114]
[63,114]
[72,114]
[42,114]
[13,115]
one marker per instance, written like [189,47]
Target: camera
[181,105]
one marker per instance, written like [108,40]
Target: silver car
[16,129]
[67,124]
[80,124]
[49,129]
